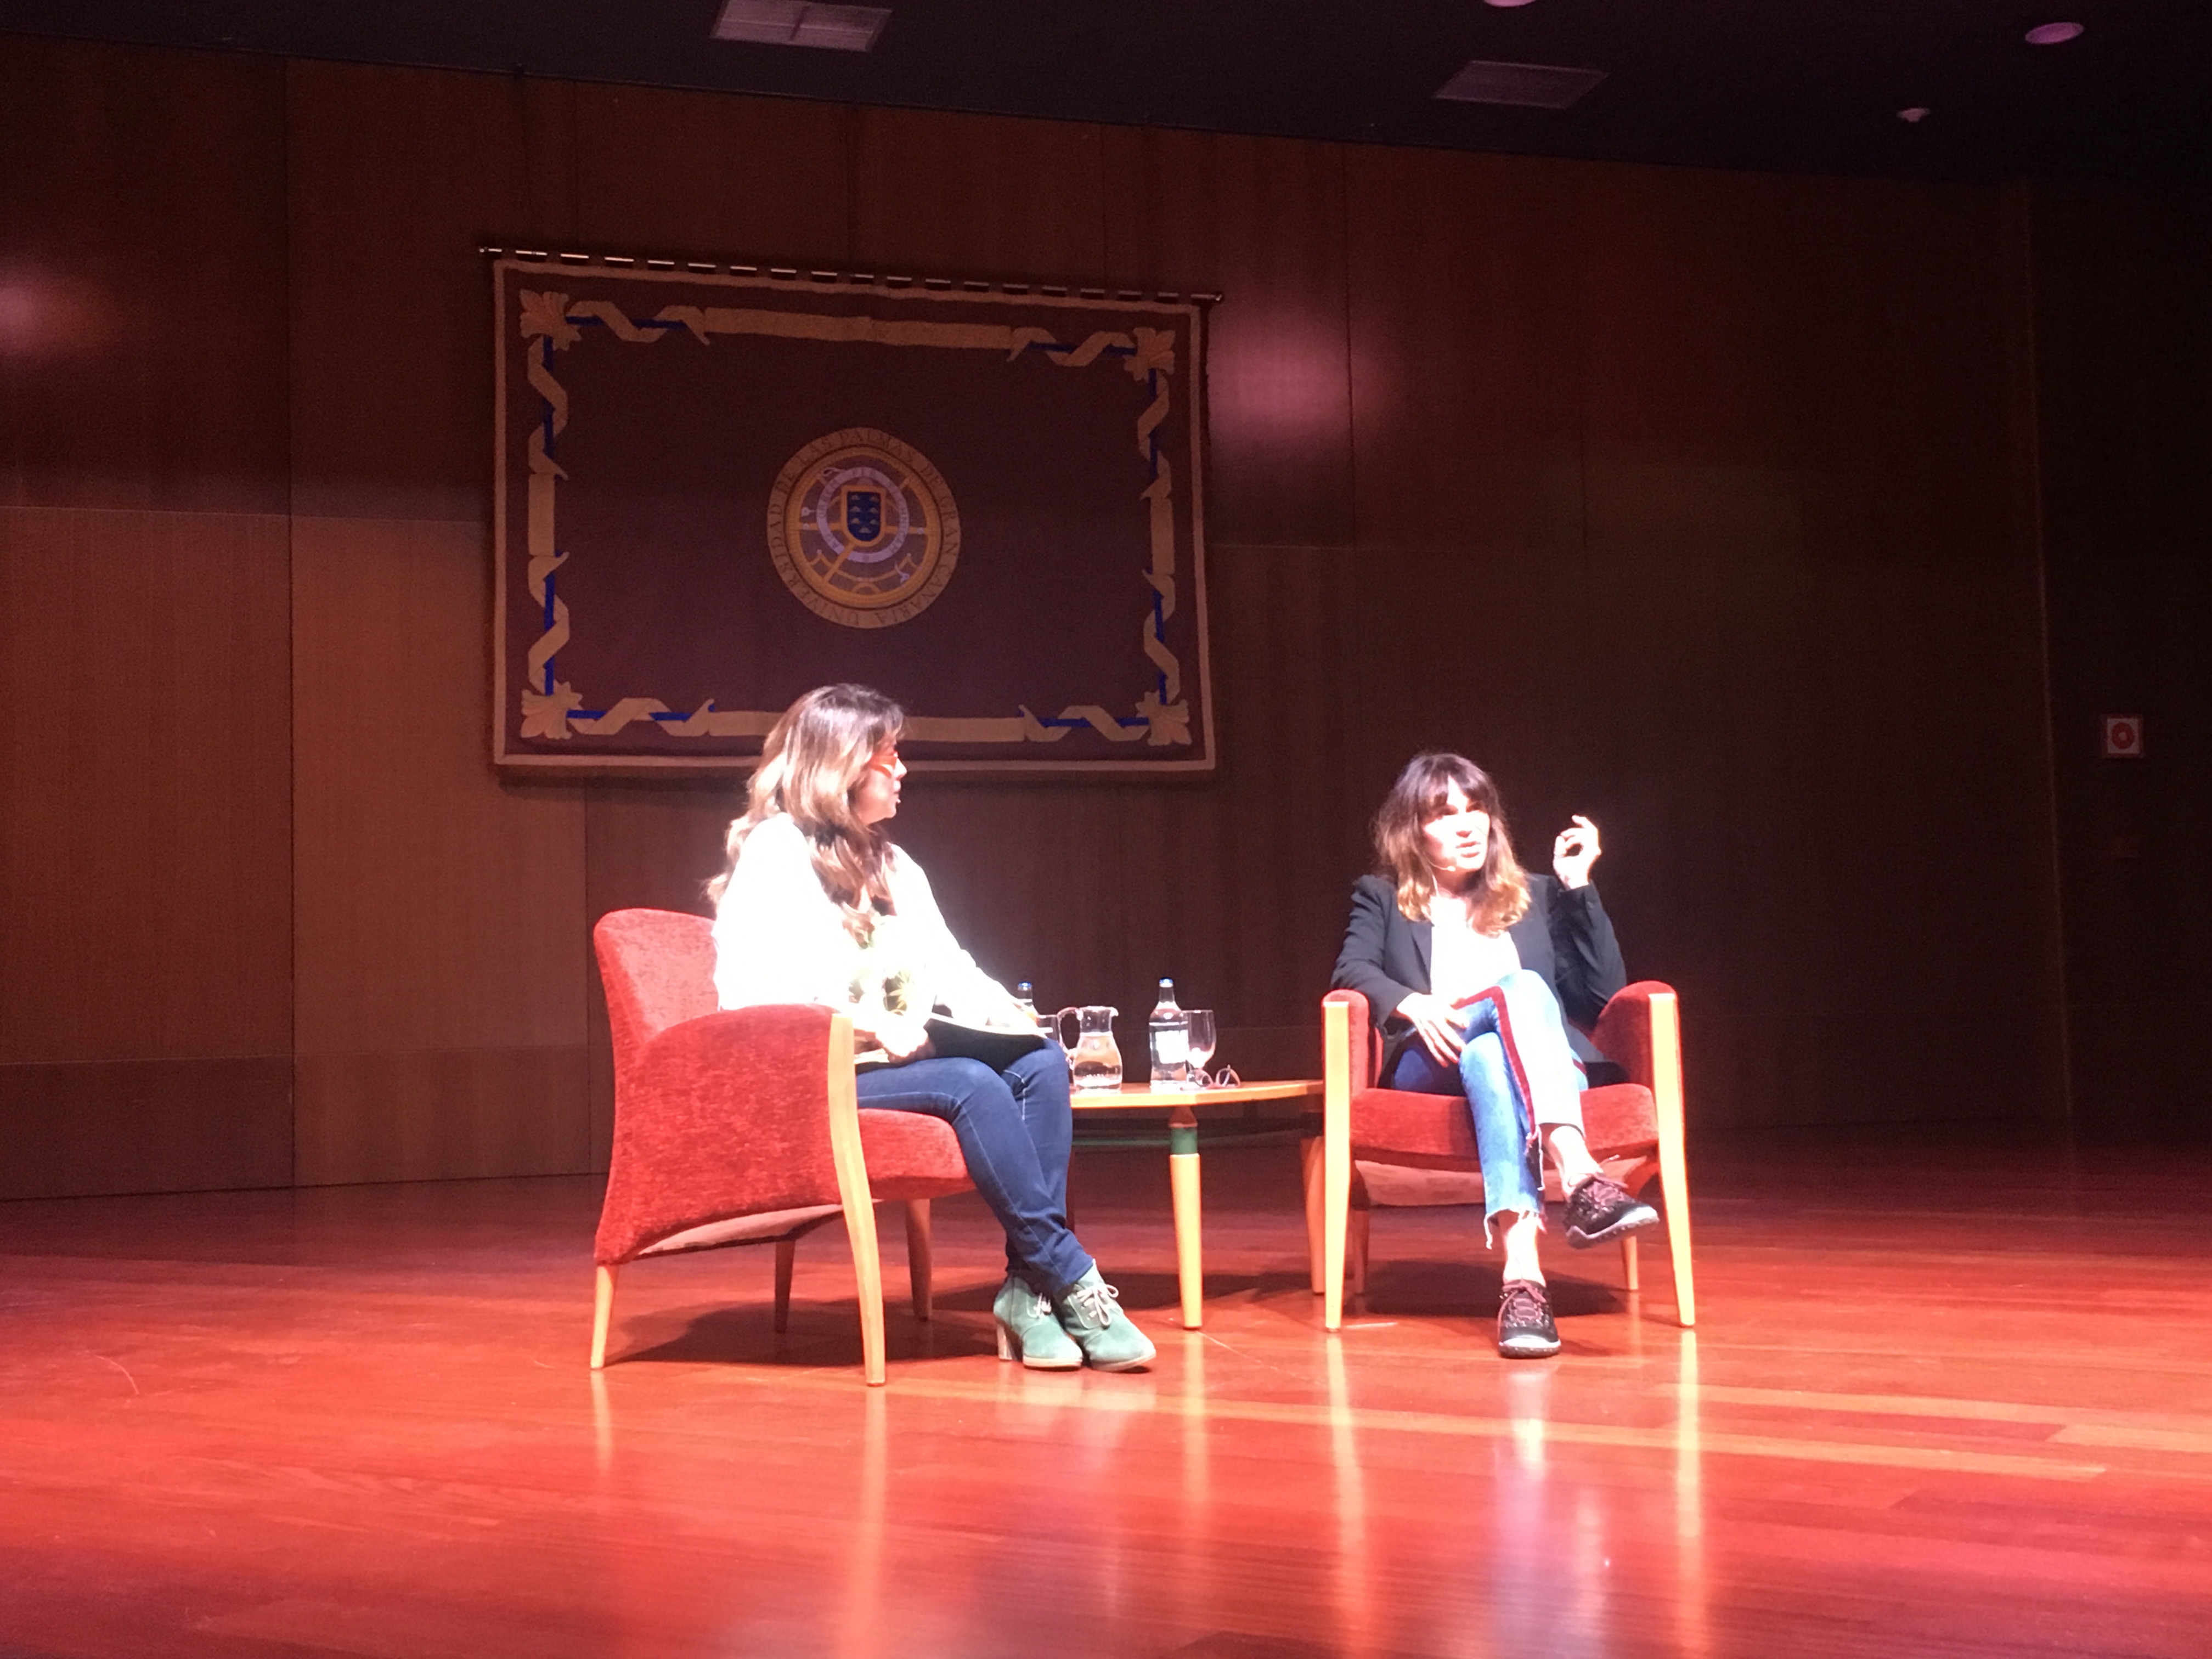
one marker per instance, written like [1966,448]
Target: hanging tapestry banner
[714,492]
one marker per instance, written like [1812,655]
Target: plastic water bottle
[1027,999]
[1170,1041]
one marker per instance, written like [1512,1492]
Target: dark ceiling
[1793,85]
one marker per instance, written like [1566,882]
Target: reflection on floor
[1923,1411]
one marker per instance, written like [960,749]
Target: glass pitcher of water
[1094,1061]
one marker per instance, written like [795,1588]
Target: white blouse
[779,937]
[1463,962]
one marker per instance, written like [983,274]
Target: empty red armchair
[740,1127]
[1634,1130]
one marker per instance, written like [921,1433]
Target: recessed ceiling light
[802,23]
[1916,115]
[2052,35]
[1504,5]
[1529,86]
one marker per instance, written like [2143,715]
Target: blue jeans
[1517,1073]
[1016,1132]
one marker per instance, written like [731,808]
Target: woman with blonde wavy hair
[1467,962]
[817,904]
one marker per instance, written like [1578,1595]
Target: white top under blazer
[1463,962]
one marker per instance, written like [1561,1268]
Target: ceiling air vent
[799,23]
[1530,86]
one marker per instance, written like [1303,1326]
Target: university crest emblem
[863,529]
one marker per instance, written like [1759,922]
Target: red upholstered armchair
[741,1127]
[1634,1129]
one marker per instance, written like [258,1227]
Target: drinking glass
[1201,1044]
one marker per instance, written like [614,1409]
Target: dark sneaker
[1525,1330]
[1601,1209]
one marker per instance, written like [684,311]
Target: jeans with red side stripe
[1519,1076]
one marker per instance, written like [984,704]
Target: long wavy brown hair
[809,767]
[1501,897]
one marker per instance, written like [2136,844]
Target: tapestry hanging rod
[795,274]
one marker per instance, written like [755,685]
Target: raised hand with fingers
[1573,851]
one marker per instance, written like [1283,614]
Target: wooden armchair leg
[602,1315]
[1629,1271]
[918,1254]
[855,1197]
[1333,1220]
[786,1252]
[868,1283]
[1355,1251]
[1678,1245]
[1309,1160]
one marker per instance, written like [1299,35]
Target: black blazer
[1566,937]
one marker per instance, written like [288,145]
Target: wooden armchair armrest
[1640,1032]
[1341,1061]
[1359,1037]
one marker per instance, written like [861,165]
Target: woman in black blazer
[1467,963]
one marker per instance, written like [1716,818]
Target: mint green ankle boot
[1090,1312]
[1029,1332]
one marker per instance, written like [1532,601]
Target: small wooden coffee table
[1182,1106]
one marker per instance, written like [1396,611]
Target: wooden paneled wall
[1696,502]
[145,642]
[2123,341]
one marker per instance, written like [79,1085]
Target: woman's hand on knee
[901,1038]
[1435,1023]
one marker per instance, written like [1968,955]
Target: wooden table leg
[1182,1180]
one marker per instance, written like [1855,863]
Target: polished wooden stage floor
[1936,1404]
